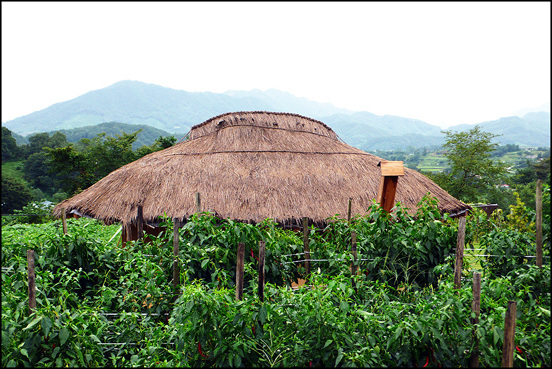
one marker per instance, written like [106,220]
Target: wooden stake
[476,308]
[239,271]
[306,246]
[538,209]
[349,212]
[354,252]
[261,269]
[390,172]
[64,220]
[176,251]
[198,202]
[31,285]
[140,221]
[509,332]
[459,252]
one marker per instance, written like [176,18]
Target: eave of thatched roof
[251,166]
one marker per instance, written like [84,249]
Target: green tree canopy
[15,194]
[10,150]
[473,176]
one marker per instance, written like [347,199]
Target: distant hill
[176,111]
[146,137]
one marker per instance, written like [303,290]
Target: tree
[473,175]
[15,194]
[10,150]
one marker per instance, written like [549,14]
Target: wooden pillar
[349,211]
[261,269]
[509,331]
[476,308]
[390,172]
[306,247]
[31,277]
[64,220]
[239,271]
[538,208]
[459,252]
[176,251]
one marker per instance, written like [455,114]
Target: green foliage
[99,304]
[473,173]
[10,150]
[15,194]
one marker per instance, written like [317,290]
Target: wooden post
[261,269]
[349,211]
[476,308]
[140,221]
[538,208]
[509,331]
[176,251]
[306,247]
[64,220]
[354,252]
[31,285]
[459,252]
[390,172]
[239,271]
[198,202]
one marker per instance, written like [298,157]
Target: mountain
[531,130]
[147,136]
[176,111]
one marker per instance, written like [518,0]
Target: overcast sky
[444,63]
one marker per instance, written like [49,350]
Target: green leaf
[46,325]
[496,336]
[204,262]
[63,335]
[95,338]
[339,357]
[262,314]
[25,353]
[55,352]
[327,343]
[33,323]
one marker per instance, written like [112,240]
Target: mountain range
[171,111]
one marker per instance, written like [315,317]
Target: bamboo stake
[509,331]
[261,269]
[176,251]
[476,308]
[459,252]
[539,222]
[31,285]
[306,246]
[239,271]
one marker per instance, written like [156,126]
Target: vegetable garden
[99,304]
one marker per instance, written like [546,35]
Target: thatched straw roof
[250,166]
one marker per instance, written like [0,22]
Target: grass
[13,169]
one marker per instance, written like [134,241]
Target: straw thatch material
[250,166]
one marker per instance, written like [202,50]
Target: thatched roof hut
[250,166]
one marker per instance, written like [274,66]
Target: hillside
[176,111]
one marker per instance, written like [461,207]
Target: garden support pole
[459,252]
[349,211]
[354,252]
[306,246]
[261,269]
[509,331]
[31,276]
[538,208]
[64,220]
[198,202]
[476,308]
[239,271]
[176,251]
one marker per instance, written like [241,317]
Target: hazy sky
[444,63]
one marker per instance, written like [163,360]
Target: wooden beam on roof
[390,172]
